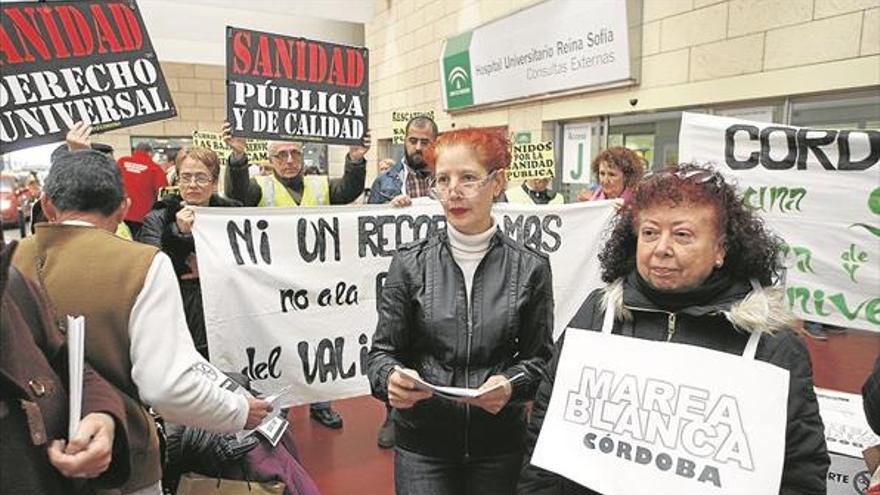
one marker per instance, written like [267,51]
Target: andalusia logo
[457,72]
[458,78]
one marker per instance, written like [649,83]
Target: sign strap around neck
[752,345]
[608,321]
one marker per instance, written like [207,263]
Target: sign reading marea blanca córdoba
[576,44]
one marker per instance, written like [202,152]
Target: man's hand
[78,137]
[495,400]
[237,144]
[258,409]
[401,201]
[402,391]
[89,452]
[185,218]
[356,153]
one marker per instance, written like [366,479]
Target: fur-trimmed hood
[763,309]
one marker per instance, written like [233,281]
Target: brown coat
[33,395]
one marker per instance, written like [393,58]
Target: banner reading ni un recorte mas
[63,62]
[819,189]
[285,88]
[290,294]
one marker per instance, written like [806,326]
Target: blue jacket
[387,185]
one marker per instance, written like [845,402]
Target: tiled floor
[348,462]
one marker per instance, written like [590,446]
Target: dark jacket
[423,325]
[160,230]
[34,400]
[871,398]
[806,459]
[343,190]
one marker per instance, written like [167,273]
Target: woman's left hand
[494,401]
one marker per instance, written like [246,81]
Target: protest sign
[634,417]
[819,190]
[399,121]
[257,150]
[65,62]
[532,161]
[285,88]
[290,295]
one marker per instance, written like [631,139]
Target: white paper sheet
[76,338]
[453,393]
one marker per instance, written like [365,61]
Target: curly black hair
[752,250]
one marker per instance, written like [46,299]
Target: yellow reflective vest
[316,191]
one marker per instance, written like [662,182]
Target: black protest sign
[284,88]
[63,62]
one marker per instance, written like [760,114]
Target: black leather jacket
[423,325]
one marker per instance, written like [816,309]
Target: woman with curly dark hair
[617,169]
[688,262]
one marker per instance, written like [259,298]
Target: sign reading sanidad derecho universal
[576,44]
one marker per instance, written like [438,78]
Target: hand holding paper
[494,394]
[90,450]
[406,388]
[258,409]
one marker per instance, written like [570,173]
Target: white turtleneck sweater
[468,251]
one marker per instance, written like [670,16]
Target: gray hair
[273,146]
[85,181]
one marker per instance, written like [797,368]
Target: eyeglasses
[197,179]
[286,155]
[467,189]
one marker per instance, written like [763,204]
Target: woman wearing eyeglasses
[689,263]
[169,227]
[467,308]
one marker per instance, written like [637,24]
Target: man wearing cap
[289,186]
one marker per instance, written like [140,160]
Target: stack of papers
[76,349]
[452,393]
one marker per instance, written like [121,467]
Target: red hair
[490,147]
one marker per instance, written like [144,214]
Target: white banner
[636,417]
[290,294]
[575,44]
[820,191]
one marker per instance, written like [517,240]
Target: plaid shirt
[418,184]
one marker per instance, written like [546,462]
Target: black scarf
[539,197]
[718,282]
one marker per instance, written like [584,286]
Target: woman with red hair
[468,308]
